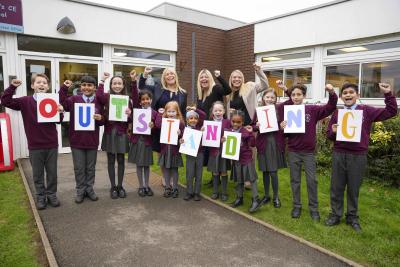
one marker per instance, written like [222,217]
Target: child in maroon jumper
[244,169]
[84,144]
[216,164]
[115,139]
[170,158]
[301,148]
[141,152]
[271,148]
[349,159]
[42,139]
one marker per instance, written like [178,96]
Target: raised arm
[330,107]
[332,127]
[225,89]
[100,95]
[263,84]
[381,114]
[65,101]
[7,98]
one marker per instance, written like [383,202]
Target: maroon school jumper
[81,139]
[305,142]
[39,135]
[247,142]
[370,115]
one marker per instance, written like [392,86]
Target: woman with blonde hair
[208,91]
[244,95]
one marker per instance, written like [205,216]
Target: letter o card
[212,133]
[349,125]
[141,120]
[47,107]
[231,146]
[117,107]
[192,140]
[267,118]
[169,131]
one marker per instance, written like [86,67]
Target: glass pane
[338,75]
[374,73]
[1,82]
[60,46]
[124,70]
[362,48]
[33,67]
[119,52]
[74,72]
[286,57]
[273,76]
[303,76]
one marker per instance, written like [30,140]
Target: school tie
[88,100]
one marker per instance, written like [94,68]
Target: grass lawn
[18,234]
[379,210]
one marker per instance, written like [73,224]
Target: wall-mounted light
[120,54]
[66,26]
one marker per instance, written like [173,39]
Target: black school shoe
[315,216]
[148,192]
[175,193]
[92,196]
[41,203]
[214,196]
[114,192]
[188,197]
[79,199]
[141,192]
[224,197]
[332,220]
[265,200]
[197,197]
[238,202]
[121,192]
[296,213]
[255,205]
[353,222]
[53,201]
[277,203]
[167,192]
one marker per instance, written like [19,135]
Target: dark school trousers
[347,171]
[296,160]
[194,170]
[41,160]
[84,168]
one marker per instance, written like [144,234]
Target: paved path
[154,231]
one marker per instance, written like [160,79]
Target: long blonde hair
[244,88]
[164,84]
[210,81]
[174,105]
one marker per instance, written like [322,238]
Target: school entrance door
[58,70]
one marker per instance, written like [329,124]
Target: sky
[246,11]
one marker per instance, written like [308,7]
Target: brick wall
[215,49]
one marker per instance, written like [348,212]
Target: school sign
[11,16]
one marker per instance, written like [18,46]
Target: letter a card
[349,125]
[191,143]
[231,146]
[141,120]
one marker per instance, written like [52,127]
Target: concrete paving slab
[154,231]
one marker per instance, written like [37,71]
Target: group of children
[119,140]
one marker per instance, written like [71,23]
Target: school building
[343,41]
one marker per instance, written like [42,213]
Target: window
[124,70]
[286,57]
[338,75]
[363,48]
[60,46]
[130,53]
[371,74]
[374,73]
[290,77]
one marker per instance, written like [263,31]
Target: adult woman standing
[208,91]
[244,95]
[170,90]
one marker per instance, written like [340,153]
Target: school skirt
[140,154]
[272,159]
[218,164]
[168,160]
[243,172]
[115,143]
